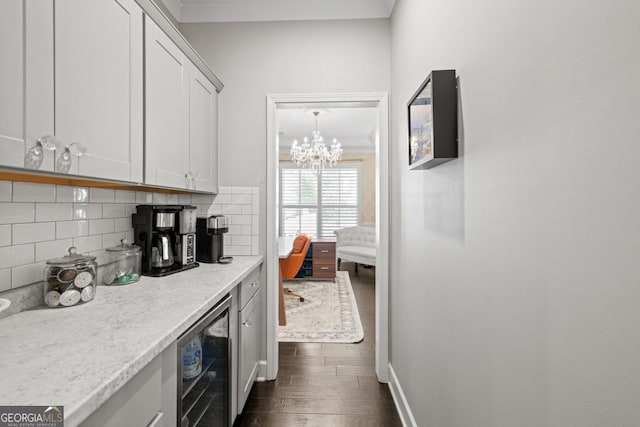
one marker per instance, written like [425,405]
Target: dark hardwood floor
[327,385]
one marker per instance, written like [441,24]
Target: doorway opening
[281,109]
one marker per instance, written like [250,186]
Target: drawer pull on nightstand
[325,251]
[324,268]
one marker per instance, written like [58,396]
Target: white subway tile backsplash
[88,244]
[112,239]
[87,211]
[143,197]
[54,212]
[125,196]
[64,194]
[5,279]
[33,232]
[66,229]
[102,195]
[53,249]
[113,210]
[223,199]
[231,209]
[241,240]
[5,235]
[12,256]
[69,194]
[43,221]
[5,191]
[123,224]
[26,274]
[32,192]
[241,199]
[241,219]
[159,199]
[101,226]
[202,199]
[11,213]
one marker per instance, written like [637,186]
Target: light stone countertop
[80,356]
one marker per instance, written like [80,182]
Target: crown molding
[277,10]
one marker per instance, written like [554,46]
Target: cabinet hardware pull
[325,251]
[324,268]
[247,323]
[254,284]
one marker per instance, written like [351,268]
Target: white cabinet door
[98,85]
[203,136]
[249,352]
[26,78]
[166,110]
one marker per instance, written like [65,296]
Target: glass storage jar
[70,280]
[123,264]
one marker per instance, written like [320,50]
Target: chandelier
[314,154]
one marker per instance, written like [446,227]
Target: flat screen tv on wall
[433,121]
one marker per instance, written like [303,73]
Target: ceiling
[355,127]
[276,10]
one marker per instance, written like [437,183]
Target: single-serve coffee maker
[210,239]
[166,234]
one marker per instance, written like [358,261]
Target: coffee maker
[210,239]
[166,234]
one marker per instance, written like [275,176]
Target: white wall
[256,59]
[515,293]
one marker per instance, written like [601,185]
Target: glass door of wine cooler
[204,368]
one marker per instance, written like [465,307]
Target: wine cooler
[204,371]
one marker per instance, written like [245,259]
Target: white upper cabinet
[26,80]
[203,131]
[166,110]
[99,86]
[180,117]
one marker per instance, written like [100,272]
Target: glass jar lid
[124,248]
[73,258]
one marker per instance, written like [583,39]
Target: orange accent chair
[290,266]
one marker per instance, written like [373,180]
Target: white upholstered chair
[356,244]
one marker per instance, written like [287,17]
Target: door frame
[379,100]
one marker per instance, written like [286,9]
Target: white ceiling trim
[280,10]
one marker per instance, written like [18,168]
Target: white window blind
[318,204]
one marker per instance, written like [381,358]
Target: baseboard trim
[262,371]
[402,406]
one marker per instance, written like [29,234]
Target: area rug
[329,312]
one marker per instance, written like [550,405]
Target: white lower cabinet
[249,355]
[148,399]
[249,327]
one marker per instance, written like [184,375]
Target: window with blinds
[318,204]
